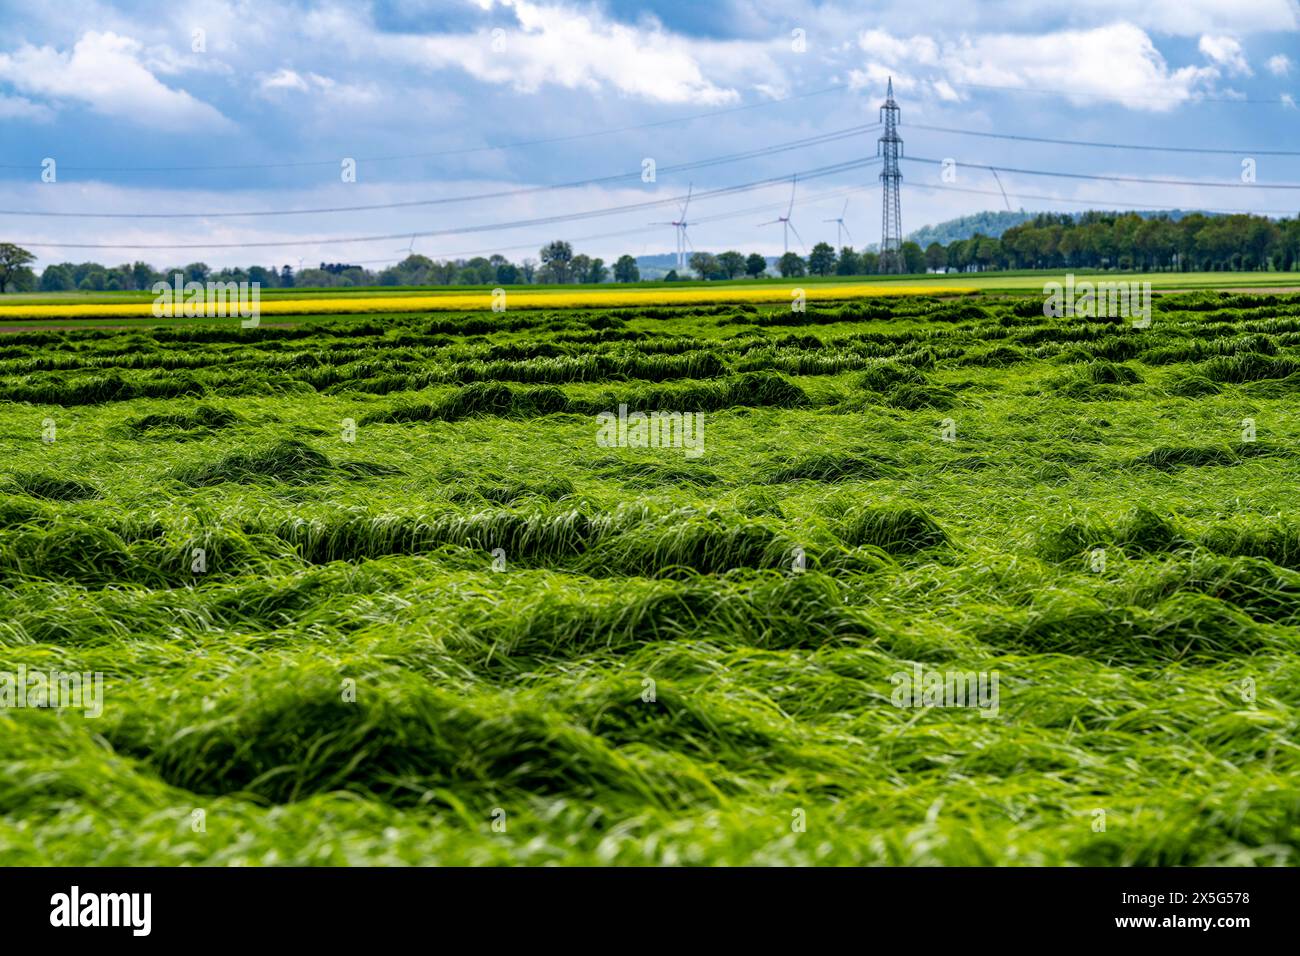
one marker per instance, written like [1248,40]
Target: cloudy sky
[192,111]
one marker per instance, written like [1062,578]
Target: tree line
[1096,240]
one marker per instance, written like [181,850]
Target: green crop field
[372,590]
[1024,280]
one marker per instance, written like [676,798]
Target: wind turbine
[410,249]
[786,224]
[680,225]
[841,230]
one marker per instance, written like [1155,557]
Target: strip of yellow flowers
[578,298]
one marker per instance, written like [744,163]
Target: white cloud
[1226,52]
[945,91]
[881,46]
[323,90]
[1279,65]
[283,79]
[162,60]
[580,49]
[21,108]
[103,71]
[1192,17]
[1116,63]
[1184,18]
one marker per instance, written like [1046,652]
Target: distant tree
[507,273]
[870,263]
[987,251]
[58,278]
[913,258]
[1289,254]
[442,272]
[580,268]
[197,272]
[755,265]
[849,263]
[143,275]
[333,268]
[415,269]
[959,254]
[478,271]
[672,276]
[23,280]
[124,276]
[94,278]
[1157,242]
[557,255]
[286,277]
[12,259]
[731,263]
[705,264]
[264,277]
[792,266]
[821,261]
[936,257]
[315,279]
[529,269]
[988,223]
[598,272]
[625,270]
[236,274]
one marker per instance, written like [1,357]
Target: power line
[1190,98]
[1099,145]
[639,230]
[1107,203]
[818,140]
[452,256]
[449,152]
[487,227]
[1111,179]
[821,197]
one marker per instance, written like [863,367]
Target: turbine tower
[890,147]
[841,230]
[787,226]
[680,224]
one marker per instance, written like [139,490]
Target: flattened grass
[355,650]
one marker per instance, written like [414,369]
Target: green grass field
[1021,281]
[433,621]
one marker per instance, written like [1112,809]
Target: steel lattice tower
[890,147]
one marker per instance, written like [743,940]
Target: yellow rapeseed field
[578,298]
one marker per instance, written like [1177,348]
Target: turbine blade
[793,181]
[847,233]
[797,236]
[690,187]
